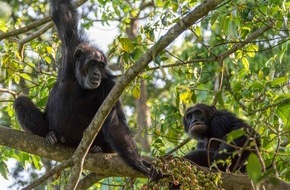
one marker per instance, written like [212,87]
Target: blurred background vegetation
[236,58]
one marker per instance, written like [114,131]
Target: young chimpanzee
[203,122]
[82,85]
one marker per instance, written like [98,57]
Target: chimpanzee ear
[78,53]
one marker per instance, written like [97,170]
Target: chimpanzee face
[197,120]
[90,66]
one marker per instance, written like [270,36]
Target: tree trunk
[143,118]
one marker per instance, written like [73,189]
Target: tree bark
[108,164]
[143,118]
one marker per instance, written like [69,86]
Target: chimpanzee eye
[93,63]
[197,112]
[101,65]
[189,116]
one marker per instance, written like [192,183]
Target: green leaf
[25,76]
[47,59]
[48,49]
[252,49]
[36,162]
[257,86]
[198,31]
[4,170]
[193,97]
[254,168]
[246,63]
[137,54]
[283,112]
[278,81]
[136,91]
[235,134]
[127,45]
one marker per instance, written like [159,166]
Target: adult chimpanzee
[203,122]
[82,85]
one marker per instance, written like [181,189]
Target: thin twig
[48,174]
[13,93]
[26,28]
[249,39]
[284,101]
[32,36]
[179,146]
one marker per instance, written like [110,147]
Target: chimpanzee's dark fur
[82,85]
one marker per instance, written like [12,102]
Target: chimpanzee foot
[51,138]
[95,149]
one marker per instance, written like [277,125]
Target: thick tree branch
[104,165]
[200,11]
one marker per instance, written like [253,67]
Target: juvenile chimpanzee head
[90,66]
[197,120]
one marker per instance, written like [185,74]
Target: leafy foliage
[202,66]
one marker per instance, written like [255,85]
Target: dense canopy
[168,55]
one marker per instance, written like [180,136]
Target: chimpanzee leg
[120,138]
[199,157]
[30,117]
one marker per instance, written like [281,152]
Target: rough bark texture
[105,164]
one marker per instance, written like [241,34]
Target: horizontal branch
[32,25]
[249,39]
[103,164]
[26,28]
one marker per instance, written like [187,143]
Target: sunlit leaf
[25,76]
[36,162]
[47,59]
[235,134]
[127,45]
[136,91]
[261,74]
[252,49]
[186,96]
[246,63]
[278,81]
[48,49]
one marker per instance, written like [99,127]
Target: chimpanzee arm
[66,18]
[200,157]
